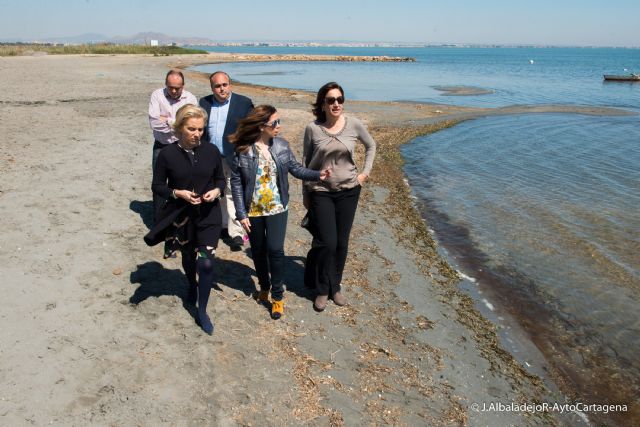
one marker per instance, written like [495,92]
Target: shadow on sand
[155,280]
[145,210]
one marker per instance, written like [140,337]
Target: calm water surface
[567,76]
[543,211]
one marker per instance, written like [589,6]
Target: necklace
[335,129]
[263,148]
[188,150]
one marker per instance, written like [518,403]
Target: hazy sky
[557,22]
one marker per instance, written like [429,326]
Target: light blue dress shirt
[217,121]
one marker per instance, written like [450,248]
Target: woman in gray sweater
[329,142]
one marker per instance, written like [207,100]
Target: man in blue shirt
[225,109]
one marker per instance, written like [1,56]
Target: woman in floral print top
[260,187]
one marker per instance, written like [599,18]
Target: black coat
[176,170]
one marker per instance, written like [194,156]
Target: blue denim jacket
[245,165]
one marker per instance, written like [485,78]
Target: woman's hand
[211,195]
[362,178]
[189,196]
[325,173]
[246,224]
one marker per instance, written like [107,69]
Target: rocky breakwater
[375,58]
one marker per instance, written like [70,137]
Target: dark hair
[174,72]
[249,128]
[322,93]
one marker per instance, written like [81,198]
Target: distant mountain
[140,38]
[163,39]
[82,38]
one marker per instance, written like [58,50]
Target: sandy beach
[94,328]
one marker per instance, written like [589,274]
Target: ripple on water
[549,204]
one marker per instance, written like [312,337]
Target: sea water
[541,210]
[514,75]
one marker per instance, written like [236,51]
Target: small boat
[633,77]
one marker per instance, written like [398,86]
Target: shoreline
[557,376]
[107,333]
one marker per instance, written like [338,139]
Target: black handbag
[307,224]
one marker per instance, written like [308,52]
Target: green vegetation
[97,49]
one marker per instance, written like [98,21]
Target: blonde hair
[187,112]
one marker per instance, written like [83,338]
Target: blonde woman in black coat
[188,174]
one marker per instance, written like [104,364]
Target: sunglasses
[330,100]
[274,124]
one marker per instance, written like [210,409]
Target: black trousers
[267,249]
[332,214]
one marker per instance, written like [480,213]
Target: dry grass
[94,49]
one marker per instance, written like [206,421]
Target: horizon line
[114,39]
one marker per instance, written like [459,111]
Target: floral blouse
[266,197]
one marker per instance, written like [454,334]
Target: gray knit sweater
[336,151]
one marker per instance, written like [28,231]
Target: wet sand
[462,90]
[94,329]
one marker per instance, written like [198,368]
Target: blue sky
[559,22]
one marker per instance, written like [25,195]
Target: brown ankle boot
[277,309]
[263,296]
